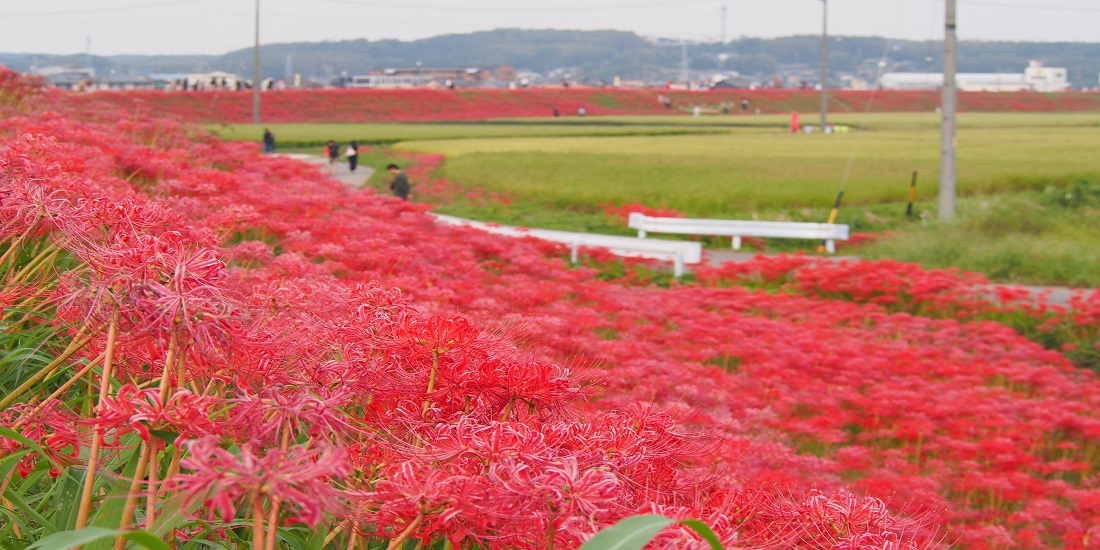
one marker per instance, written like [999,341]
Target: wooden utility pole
[824,64]
[948,108]
[256,70]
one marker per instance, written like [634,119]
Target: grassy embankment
[1026,213]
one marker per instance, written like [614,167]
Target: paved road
[340,170]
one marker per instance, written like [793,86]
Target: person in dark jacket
[269,141]
[400,183]
[332,152]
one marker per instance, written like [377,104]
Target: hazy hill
[601,55]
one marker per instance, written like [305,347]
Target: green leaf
[166,436]
[66,498]
[704,531]
[25,508]
[634,532]
[65,540]
[631,533]
[14,521]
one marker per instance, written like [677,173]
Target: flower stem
[151,490]
[169,365]
[132,495]
[47,255]
[431,378]
[339,528]
[11,249]
[272,516]
[397,542]
[257,522]
[93,455]
[57,393]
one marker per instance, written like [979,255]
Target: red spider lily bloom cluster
[435,105]
[275,348]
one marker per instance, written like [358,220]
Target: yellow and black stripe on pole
[832,215]
[836,208]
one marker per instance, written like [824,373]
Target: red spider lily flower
[437,335]
[528,387]
[299,477]
[134,410]
[264,417]
[53,428]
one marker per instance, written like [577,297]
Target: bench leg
[678,265]
[737,242]
[573,254]
[830,245]
[641,234]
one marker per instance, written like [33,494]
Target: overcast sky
[110,27]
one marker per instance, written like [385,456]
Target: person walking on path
[332,151]
[400,183]
[352,154]
[269,141]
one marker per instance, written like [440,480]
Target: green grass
[1036,237]
[302,135]
[750,169]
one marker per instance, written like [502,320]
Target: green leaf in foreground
[68,539]
[634,532]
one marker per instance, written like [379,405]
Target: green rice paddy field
[1029,184]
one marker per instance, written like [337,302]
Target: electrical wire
[863,121]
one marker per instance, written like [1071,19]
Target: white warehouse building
[1036,78]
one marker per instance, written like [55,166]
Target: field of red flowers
[216,346]
[441,105]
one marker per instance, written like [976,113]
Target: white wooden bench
[678,252]
[830,233]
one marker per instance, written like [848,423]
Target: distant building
[732,79]
[68,77]
[126,82]
[1035,78]
[433,77]
[86,79]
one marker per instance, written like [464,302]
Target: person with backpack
[332,151]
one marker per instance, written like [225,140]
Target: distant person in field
[796,125]
[352,154]
[400,183]
[269,141]
[744,105]
[332,151]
